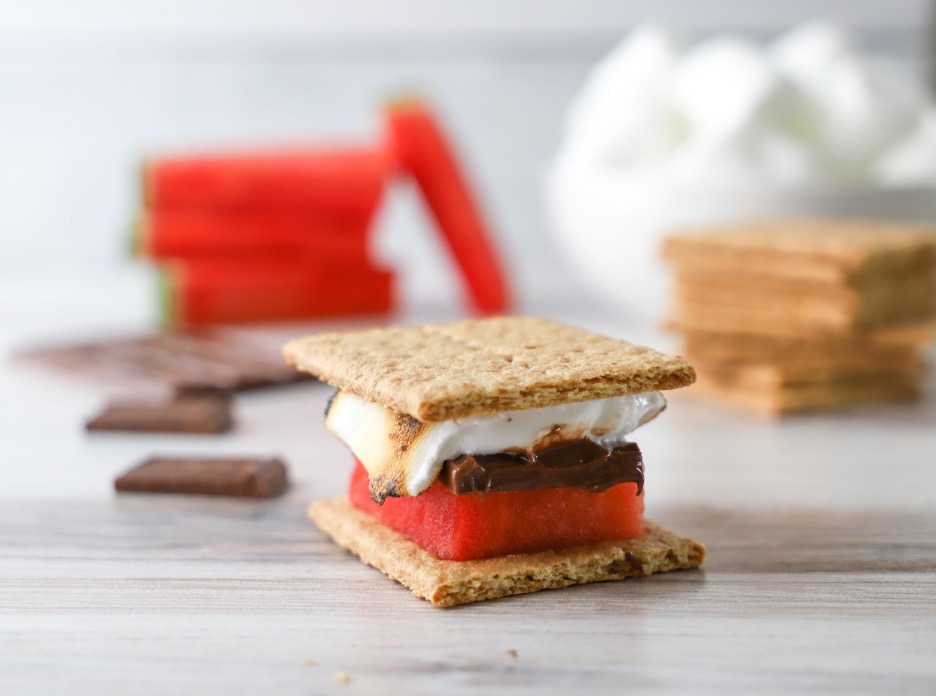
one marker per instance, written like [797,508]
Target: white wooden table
[821,575]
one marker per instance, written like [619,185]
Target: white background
[87,88]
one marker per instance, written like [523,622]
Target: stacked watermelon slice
[276,236]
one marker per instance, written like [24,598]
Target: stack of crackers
[791,316]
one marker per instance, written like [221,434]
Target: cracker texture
[483,366]
[449,583]
[778,320]
[886,347]
[789,373]
[797,315]
[779,400]
[815,249]
[899,301]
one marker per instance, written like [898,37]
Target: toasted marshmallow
[403,456]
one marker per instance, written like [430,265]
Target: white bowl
[610,226]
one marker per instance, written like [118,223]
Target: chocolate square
[246,477]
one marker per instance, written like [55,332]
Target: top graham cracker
[815,249]
[483,366]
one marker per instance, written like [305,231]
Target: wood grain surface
[820,576]
[151,594]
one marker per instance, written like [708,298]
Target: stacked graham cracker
[798,315]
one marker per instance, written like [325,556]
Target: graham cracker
[795,398]
[449,583]
[816,360]
[786,320]
[767,375]
[899,346]
[898,284]
[813,367]
[903,300]
[819,250]
[483,366]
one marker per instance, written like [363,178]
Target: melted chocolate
[578,463]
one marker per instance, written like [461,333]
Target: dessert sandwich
[492,456]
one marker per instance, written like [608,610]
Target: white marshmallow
[807,109]
[853,107]
[861,109]
[752,154]
[912,160]
[620,115]
[803,54]
[723,85]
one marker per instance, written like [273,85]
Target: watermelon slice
[420,149]
[342,181]
[201,232]
[468,527]
[213,291]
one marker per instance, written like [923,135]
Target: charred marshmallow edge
[384,440]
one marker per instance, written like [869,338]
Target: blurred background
[87,89]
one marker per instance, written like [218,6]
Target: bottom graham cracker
[448,583]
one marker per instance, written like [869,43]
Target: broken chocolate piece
[251,478]
[580,463]
[205,413]
[186,362]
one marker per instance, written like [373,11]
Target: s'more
[493,456]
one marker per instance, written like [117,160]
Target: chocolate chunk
[579,463]
[206,413]
[251,478]
[186,362]
[274,377]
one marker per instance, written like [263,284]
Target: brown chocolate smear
[580,463]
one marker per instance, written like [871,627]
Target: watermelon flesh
[468,527]
[345,182]
[422,150]
[206,291]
